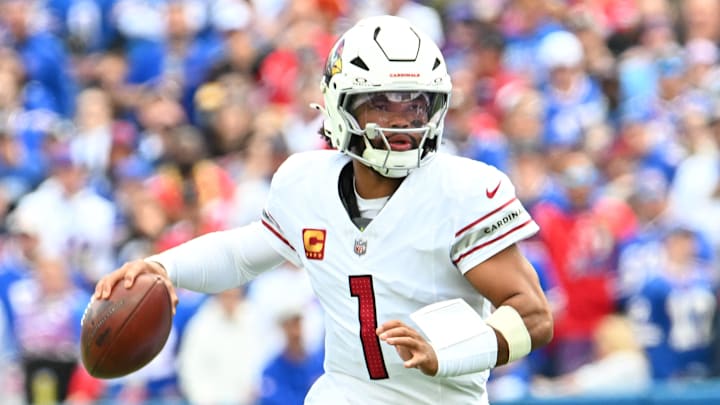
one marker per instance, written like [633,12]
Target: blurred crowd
[130,126]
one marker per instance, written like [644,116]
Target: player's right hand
[410,345]
[127,274]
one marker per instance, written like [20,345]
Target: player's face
[401,110]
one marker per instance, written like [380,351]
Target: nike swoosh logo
[491,193]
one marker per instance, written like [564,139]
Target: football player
[398,239]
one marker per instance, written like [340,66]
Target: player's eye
[418,108]
[379,106]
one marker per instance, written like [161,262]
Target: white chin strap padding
[386,162]
[391,162]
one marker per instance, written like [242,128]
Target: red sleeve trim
[482,245]
[276,233]
[460,232]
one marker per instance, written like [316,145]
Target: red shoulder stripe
[276,233]
[482,245]
[465,228]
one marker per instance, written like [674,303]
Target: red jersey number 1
[362,288]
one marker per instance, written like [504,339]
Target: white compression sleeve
[220,260]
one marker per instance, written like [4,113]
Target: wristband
[510,324]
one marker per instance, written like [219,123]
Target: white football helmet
[384,54]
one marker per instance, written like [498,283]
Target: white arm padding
[220,260]
[462,341]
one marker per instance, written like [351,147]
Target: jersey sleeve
[489,221]
[277,209]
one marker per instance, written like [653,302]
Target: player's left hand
[411,346]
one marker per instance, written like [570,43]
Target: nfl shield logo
[360,246]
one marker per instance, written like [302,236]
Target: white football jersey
[445,218]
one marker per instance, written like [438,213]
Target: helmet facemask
[400,132]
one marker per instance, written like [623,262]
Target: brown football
[122,334]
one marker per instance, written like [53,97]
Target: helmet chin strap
[397,165]
[389,163]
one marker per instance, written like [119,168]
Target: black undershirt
[346,189]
